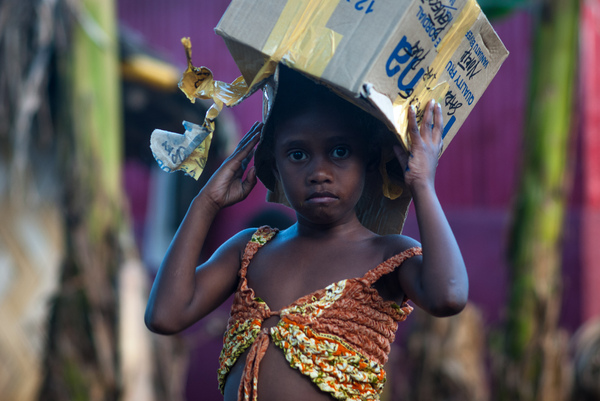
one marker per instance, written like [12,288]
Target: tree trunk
[82,357]
[447,358]
[533,365]
[66,247]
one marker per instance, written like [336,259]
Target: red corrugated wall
[479,170]
[590,158]
[476,177]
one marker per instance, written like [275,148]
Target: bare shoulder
[234,246]
[393,245]
[390,285]
[243,237]
[224,263]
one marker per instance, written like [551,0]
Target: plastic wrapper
[189,152]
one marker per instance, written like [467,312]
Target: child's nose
[320,171]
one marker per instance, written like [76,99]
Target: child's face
[321,162]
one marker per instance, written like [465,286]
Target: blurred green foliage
[500,8]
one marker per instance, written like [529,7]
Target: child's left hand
[227,185]
[426,146]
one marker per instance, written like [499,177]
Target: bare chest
[280,275]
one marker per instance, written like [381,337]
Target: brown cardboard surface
[384,55]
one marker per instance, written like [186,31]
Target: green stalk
[533,348]
[82,361]
[97,108]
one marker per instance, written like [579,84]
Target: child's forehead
[313,114]
[316,115]
[317,123]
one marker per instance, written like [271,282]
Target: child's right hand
[226,187]
[426,147]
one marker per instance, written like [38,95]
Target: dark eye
[340,152]
[297,155]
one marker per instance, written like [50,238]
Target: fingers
[228,185]
[249,182]
[248,158]
[432,124]
[245,149]
[413,128]
[425,142]
[438,121]
[253,135]
[427,124]
[402,157]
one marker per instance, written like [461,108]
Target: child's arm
[439,284]
[181,293]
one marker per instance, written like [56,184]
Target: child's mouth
[321,197]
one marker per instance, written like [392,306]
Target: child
[316,306]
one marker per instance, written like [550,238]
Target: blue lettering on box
[477,51]
[448,125]
[469,63]
[451,69]
[365,6]
[405,58]
[435,18]
[461,84]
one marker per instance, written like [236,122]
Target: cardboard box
[383,55]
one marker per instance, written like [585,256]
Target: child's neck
[347,230]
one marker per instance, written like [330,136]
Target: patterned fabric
[339,336]
[333,365]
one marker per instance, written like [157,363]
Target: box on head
[384,56]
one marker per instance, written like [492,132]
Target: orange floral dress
[338,336]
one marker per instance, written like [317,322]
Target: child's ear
[373,160]
[275,170]
[372,164]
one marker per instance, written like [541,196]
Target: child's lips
[322,197]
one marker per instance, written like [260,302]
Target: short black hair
[297,94]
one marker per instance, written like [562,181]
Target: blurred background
[86,215]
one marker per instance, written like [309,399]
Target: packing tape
[301,39]
[198,83]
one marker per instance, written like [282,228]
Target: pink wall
[476,177]
[483,157]
[163,24]
[590,158]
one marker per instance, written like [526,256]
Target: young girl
[316,306]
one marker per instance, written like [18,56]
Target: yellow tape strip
[424,90]
[301,39]
[306,41]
